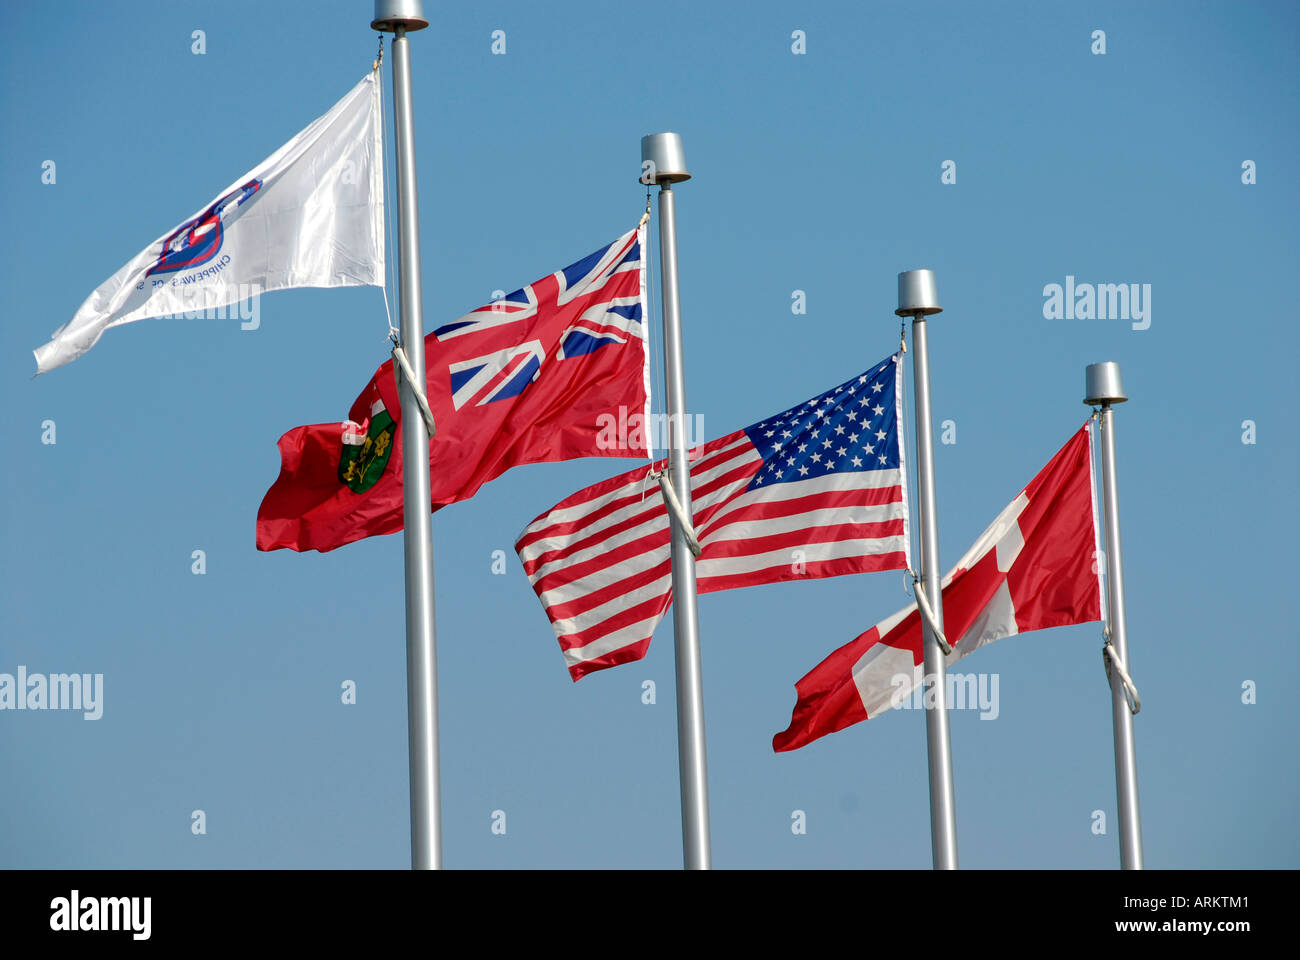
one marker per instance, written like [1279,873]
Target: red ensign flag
[535,376]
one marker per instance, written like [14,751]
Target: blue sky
[818,172]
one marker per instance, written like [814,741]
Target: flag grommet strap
[678,512]
[1110,656]
[412,381]
[923,602]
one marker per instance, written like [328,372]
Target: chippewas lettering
[365,455]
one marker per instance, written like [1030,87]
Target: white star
[852,415]
[803,447]
[819,414]
[879,410]
[789,461]
[776,448]
[857,461]
[853,389]
[786,434]
[853,438]
[817,457]
[769,433]
[864,401]
[882,458]
[817,431]
[839,428]
[869,448]
[862,379]
[771,468]
[841,451]
[803,471]
[826,443]
[880,434]
[758,480]
[830,465]
[877,387]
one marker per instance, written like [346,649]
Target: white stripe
[633,633]
[578,511]
[590,619]
[653,499]
[657,521]
[812,553]
[825,517]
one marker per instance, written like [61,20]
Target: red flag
[1034,567]
[538,375]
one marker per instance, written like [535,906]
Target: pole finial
[662,159]
[918,294]
[392,14]
[1103,384]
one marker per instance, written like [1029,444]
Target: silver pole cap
[918,294]
[664,151]
[391,14]
[1103,384]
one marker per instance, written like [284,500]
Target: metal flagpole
[663,162]
[918,297]
[1104,387]
[400,17]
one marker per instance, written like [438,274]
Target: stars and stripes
[816,491]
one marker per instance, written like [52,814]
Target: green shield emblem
[363,459]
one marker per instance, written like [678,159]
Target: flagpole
[400,17]
[918,297]
[1104,386]
[667,164]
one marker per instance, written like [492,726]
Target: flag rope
[923,604]
[393,332]
[1110,657]
[679,514]
[399,360]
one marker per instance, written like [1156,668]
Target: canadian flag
[1036,566]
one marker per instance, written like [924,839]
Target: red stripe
[633,651]
[589,601]
[653,510]
[642,611]
[656,540]
[836,533]
[596,492]
[829,499]
[838,567]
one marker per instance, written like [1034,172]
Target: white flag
[310,215]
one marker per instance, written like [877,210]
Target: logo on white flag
[197,241]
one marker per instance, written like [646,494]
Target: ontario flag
[1034,567]
[535,376]
[814,491]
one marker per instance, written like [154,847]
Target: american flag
[815,491]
